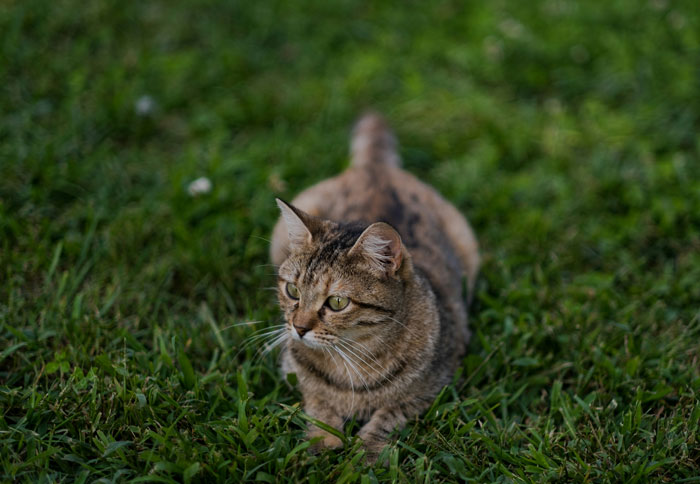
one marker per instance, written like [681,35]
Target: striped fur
[386,355]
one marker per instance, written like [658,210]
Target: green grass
[566,131]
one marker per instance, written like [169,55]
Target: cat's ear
[380,245]
[299,224]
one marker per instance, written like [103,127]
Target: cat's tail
[373,142]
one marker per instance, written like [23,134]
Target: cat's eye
[337,303]
[292,291]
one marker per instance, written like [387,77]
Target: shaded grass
[566,132]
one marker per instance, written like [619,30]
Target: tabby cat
[371,264]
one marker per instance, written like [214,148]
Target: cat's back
[385,193]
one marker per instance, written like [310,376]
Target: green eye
[337,303]
[292,291]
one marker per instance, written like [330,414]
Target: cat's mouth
[310,340]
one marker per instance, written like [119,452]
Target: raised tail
[373,142]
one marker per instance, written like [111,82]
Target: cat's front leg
[321,410]
[375,433]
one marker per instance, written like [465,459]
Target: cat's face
[339,282]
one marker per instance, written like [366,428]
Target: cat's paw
[328,441]
[373,446]
[373,449]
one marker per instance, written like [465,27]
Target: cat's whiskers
[266,331]
[276,266]
[361,347]
[352,385]
[397,321]
[269,342]
[276,342]
[264,239]
[258,341]
[382,371]
[410,330]
[262,334]
[244,323]
[353,366]
[357,367]
[373,363]
[257,337]
[329,349]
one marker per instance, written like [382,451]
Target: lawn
[567,132]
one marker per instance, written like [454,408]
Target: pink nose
[302,330]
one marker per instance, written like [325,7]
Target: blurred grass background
[566,131]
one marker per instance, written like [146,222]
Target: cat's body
[385,356]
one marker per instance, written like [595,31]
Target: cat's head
[340,281]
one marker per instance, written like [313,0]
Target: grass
[566,131]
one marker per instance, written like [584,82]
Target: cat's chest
[344,376]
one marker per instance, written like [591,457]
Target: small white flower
[144,105]
[200,186]
[512,28]
[493,48]
[553,106]
[676,20]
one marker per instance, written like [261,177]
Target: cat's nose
[302,330]
[303,323]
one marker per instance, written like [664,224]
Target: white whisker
[330,353]
[261,335]
[272,345]
[353,366]
[274,326]
[269,343]
[363,349]
[264,332]
[381,370]
[244,323]
[399,322]
[329,350]
[352,386]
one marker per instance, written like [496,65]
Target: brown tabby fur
[385,357]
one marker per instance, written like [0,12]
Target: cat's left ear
[300,225]
[380,245]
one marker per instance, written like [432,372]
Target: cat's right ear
[299,224]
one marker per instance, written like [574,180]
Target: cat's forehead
[316,278]
[313,268]
[325,261]
[325,282]
[327,250]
